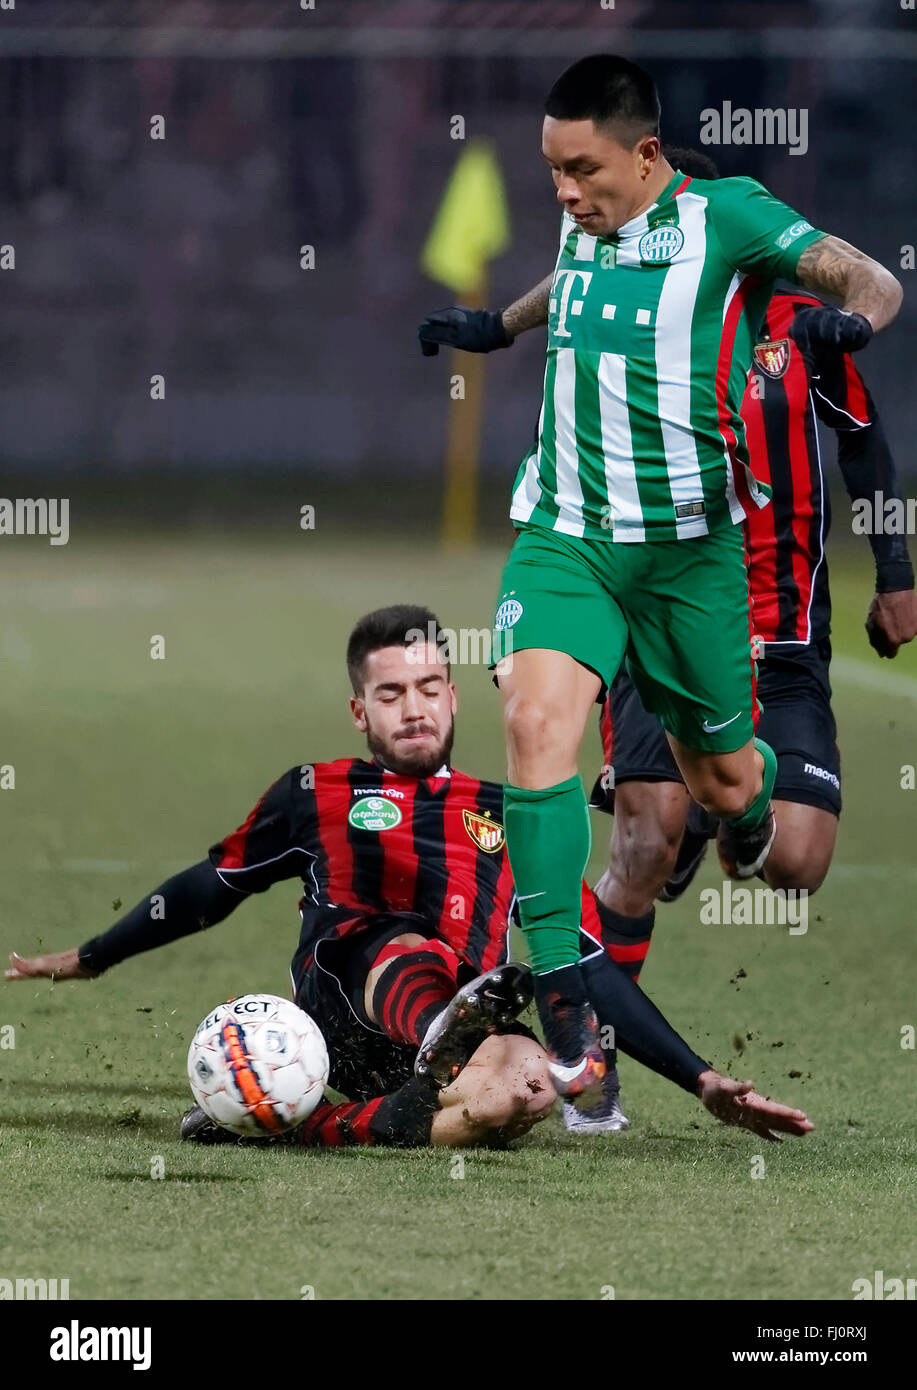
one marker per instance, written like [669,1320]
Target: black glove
[812,329]
[474,330]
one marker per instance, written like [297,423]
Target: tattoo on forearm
[834,267]
[531,310]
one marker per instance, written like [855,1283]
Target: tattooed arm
[836,268]
[531,311]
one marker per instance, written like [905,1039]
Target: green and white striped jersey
[650,340]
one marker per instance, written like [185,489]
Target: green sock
[758,808]
[548,838]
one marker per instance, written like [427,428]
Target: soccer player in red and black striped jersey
[660,835]
[407,900]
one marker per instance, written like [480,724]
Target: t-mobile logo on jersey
[565,281]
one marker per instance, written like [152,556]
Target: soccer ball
[258,1065]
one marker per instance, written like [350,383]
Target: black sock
[626,939]
[559,996]
[405,1118]
[402,1120]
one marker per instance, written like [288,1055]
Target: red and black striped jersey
[368,845]
[366,841]
[787,569]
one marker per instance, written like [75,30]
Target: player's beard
[416,762]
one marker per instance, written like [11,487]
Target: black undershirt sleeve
[844,403]
[192,900]
[640,1029]
[867,466]
[255,856]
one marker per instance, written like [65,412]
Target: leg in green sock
[548,838]
[756,812]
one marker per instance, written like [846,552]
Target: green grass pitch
[127,768]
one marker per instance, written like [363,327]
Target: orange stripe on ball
[248,1083]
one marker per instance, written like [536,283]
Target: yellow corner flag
[472,223]
[470,228]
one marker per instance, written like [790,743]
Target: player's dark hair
[395,626]
[609,91]
[691,162]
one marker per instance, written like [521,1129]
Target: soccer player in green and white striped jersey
[631,443]
[626,507]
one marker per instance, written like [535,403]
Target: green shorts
[677,610]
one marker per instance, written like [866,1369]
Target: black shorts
[796,720]
[365,1062]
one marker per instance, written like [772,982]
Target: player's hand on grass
[738,1103]
[472,330]
[892,621]
[813,329]
[62,965]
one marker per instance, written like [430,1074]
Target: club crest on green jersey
[374,813]
[661,245]
[508,614]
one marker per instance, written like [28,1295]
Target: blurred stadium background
[331,128]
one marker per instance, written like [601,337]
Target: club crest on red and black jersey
[487,834]
[773,357]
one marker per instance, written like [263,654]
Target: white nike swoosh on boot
[567,1073]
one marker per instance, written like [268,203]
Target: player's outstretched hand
[738,1103]
[892,621]
[62,965]
[812,329]
[473,330]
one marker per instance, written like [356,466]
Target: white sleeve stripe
[860,424]
[248,868]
